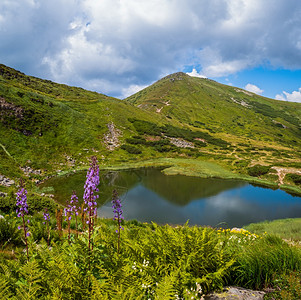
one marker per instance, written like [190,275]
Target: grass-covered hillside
[48,128]
[45,125]
[260,132]
[217,108]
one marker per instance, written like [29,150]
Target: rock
[235,293]
[28,170]
[181,143]
[111,139]
[6,181]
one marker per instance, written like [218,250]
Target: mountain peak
[175,76]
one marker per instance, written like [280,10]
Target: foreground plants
[154,262]
[148,262]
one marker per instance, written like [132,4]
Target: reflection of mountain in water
[181,190]
[177,189]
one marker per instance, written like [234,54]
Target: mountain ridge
[53,127]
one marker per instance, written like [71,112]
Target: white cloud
[295,96]
[194,73]
[131,90]
[253,88]
[120,44]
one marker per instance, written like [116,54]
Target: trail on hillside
[4,149]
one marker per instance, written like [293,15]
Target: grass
[289,229]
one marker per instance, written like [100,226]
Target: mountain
[46,127]
[217,108]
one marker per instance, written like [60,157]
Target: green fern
[5,293]
[166,289]
[28,286]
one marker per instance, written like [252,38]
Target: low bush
[131,149]
[295,178]
[36,203]
[9,232]
[258,170]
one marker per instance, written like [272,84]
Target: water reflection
[148,195]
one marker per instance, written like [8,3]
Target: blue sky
[117,47]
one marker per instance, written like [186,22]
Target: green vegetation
[258,170]
[131,149]
[285,229]
[52,128]
[295,178]
[154,262]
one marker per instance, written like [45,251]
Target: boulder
[235,293]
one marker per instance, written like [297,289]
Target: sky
[117,47]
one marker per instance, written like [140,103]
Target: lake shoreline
[188,167]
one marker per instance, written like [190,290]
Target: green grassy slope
[47,125]
[209,105]
[259,130]
[52,127]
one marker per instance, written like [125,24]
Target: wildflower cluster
[47,220]
[71,208]
[46,216]
[139,267]
[22,210]
[193,293]
[116,205]
[22,207]
[237,236]
[91,184]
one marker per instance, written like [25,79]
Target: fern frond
[165,289]
[5,293]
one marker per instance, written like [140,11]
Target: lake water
[148,195]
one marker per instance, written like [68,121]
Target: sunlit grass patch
[289,229]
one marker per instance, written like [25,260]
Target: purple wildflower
[91,184]
[116,205]
[74,203]
[22,210]
[46,217]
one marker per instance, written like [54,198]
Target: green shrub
[38,203]
[295,178]
[38,231]
[35,202]
[9,232]
[145,127]
[136,140]
[8,203]
[258,170]
[131,149]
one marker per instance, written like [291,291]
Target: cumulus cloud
[295,96]
[112,45]
[194,73]
[131,90]
[253,88]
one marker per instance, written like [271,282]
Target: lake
[149,195]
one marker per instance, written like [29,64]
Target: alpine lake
[150,196]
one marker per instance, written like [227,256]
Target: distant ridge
[52,127]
